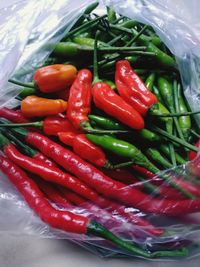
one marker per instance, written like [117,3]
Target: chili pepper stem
[29,85]
[95,60]
[174,138]
[38,124]
[98,230]
[87,127]
[178,114]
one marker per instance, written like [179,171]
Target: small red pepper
[193,154]
[80,97]
[84,148]
[132,89]
[54,78]
[112,104]
[51,125]
[52,193]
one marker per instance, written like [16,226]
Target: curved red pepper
[107,100]
[132,89]
[51,174]
[52,125]
[105,185]
[80,99]
[84,148]
[63,220]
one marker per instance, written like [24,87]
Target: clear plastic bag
[26,28]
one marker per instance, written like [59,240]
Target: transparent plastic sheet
[26,28]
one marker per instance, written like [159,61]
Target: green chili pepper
[184,121]
[85,41]
[106,123]
[166,91]
[150,81]
[149,135]
[125,149]
[111,14]
[157,94]
[155,155]
[87,11]
[70,49]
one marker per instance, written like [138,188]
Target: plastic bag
[26,28]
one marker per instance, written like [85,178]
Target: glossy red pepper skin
[67,138]
[55,77]
[51,174]
[63,220]
[107,100]
[39,156]
[13,115]
[132,89]
[84,148]
[105,185]
[52,193]
[121,175]
[193,154]
[79,103]
[52,125]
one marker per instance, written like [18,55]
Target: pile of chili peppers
[98,143]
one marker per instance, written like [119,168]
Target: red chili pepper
[12,115]
[84,148]
[143,171]
[55,124]
[107,100]
[80,97]
[63,220]
[71,196]
[51,174]
[193,154]
[121,175]
[115,209]
[105,185]
[52,193]
[55,77]
[132,89]
[51,125]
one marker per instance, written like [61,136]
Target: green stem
[137,35]
[88,129]
[165,149]
[23,147]
[29,85]
[178,114]
[95,60]
[170,129]
[132,247]
[116,39]
[38,124]
[174,138]
[84,26]
[195,133]
[157,157]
